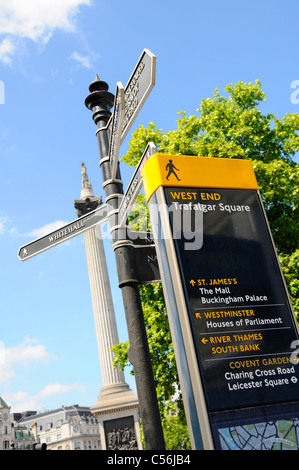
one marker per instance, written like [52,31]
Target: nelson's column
[116,407]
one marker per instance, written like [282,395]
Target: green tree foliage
[175,431]
[290,267]
[230,126]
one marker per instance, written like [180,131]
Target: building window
[58,437]
[77,445]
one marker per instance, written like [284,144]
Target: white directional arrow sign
[135,185]
[128,103]
[64,233]
[117,122]
[138,88]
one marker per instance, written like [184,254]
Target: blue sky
[50,51]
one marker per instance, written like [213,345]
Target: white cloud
[28,352]
[48,228]
[7,49]
[5,225]
[24,353]
[53,389]
[22,401]
[2,224]
[35,20]
[85,61]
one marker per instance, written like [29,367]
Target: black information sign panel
[240,315]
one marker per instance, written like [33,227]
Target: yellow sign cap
[197,172]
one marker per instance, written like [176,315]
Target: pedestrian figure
[184,444]
[170,167]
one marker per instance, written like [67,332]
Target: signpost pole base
[140,357]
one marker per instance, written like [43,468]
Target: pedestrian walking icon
[170,168]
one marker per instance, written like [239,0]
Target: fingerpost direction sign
[117,121]
[64,233]
[134,186]
[138,88]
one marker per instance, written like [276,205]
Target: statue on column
[85,181]
[88,202]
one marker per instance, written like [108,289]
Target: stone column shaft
[104,316]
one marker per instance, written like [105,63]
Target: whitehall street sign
[138,88]
[64,233]
[134,186]
[227,303]
[117,121]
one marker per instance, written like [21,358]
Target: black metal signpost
[232,323]
[100,101]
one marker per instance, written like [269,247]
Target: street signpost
[146,261]
[147,269]
[99,102]
[231,319]
[138,88]
[117,122]
[63,233]
[134,186]
[128,103]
